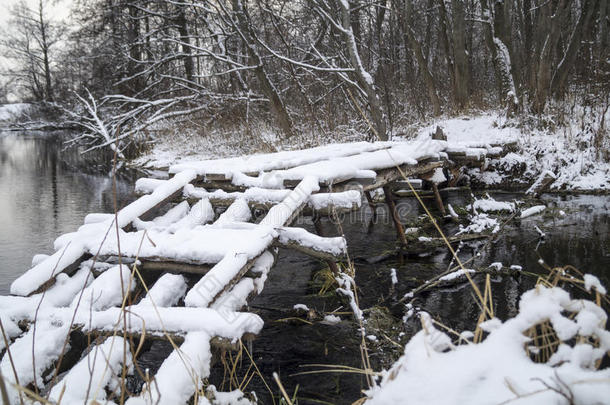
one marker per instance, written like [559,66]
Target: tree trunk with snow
[277,105]
[558,82]
[365,81]
[186,43]
[501,61]
[462,73]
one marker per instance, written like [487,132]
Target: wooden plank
[309,251]
[327,186]
[386,176]
[170,266]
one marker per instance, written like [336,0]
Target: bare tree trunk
[501,60]
[543,72]
[277,105]
[583,24]
[459,52]
[445,34]
[45,52]
[365,81]
[404,13]
[186,43]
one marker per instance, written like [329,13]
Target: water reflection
[45,191]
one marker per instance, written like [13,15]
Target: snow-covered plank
[166,292]
[203,244]
[107,290]
[155,320]
[87,381]
[261,198]
[225,168]
[180,375]
[237,262]
[317,246]
[33,354]
[339,169]
[172,216]
[239,211]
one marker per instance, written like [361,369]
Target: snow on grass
[456,274]
[498,370]
[593,282]
[490,205]
[480,223]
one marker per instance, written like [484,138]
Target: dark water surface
[580,238]
[43,194]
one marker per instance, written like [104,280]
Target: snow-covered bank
[571,153]
[500,369]
[12,112]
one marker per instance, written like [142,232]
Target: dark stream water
[44,193]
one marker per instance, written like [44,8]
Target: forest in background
[121,66]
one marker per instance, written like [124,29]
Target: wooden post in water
[439,200]
[389,199]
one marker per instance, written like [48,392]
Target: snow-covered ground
[571,152]
[499,370]
[10,112]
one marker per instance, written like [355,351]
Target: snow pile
[87,380]
[472,132]
[480,223]
[499,369]
[490,205]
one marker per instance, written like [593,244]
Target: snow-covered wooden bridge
[119,279]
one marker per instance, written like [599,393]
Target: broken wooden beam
[320,247]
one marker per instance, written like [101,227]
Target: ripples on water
[44,192]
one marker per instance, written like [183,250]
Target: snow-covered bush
[549,353]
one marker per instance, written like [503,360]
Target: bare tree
[28,42]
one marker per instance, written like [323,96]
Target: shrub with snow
[503,368]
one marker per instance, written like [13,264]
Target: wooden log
[344,183]
[264,206]
[310,251]
[171,266]
[542,183]
[400,230]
